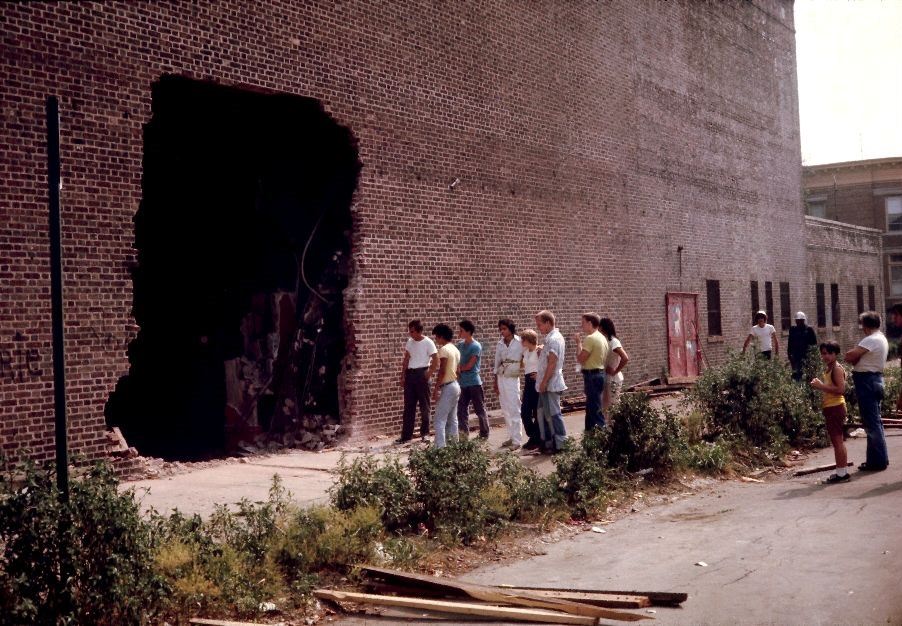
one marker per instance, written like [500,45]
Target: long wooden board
[516,614]
[611,601]
[819,468]
[657,598]
[495,594]
[200,621]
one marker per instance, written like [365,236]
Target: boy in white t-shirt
[420,362]
[765,336]
[868,359]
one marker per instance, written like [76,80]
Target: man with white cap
[801,339]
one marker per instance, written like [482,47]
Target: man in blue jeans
[446,390]
[550,385]
[591,354]
[869,359]
[470,382]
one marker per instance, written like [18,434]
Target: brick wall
[607,152]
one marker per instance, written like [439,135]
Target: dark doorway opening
[243,241]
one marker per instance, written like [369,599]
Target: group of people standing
[456,367]
[868,360]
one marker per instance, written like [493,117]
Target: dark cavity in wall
[243,240]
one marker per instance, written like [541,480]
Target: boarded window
[859,298]
[769,301]
[714,307]
[872,299]
[785,315]
[895,274]
[756,305]
[834,303]
[821,305]
[817,208]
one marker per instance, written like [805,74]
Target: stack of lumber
[465,600]
[891,421]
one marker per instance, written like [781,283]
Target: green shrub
[449,489]
[323,538]
[642,436]
[706,455]
[106,546]
[582,473]
[223,565]
[401,552]
[530,497]
[758,399]
[366,482]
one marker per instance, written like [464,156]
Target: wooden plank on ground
[819,468]
[200,621]
[611,601]
[657,598]
[516,614]
[494,594]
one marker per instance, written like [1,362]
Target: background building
[867,193]
[259,196]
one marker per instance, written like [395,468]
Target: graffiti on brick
[108,340]
[20,364]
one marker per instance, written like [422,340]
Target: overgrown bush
[643,437]
[582,472]
[529,497]
[450,489]
[105,547]
[706,455]
[758,399]
[367,482]
[233,563]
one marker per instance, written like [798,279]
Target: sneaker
[401,440]
[864,467]
[532,445]
[515,446]
[836,478]
[507,444]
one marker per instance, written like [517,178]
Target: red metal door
[682,337]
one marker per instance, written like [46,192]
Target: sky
[850,79]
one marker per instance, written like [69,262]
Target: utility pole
[56,297]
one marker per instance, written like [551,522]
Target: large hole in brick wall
[243,240]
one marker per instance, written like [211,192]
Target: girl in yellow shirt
[833,384]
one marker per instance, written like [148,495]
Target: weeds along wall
[605,153]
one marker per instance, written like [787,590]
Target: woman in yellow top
[833,405]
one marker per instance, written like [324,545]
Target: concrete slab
[307,475]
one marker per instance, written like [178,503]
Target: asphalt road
[787,551]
